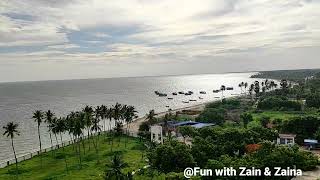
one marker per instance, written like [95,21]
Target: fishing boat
[170,98]
[203,92]
[192,100]
[190,92]
[162,94]
[174,93]
[229,88]
[181,92]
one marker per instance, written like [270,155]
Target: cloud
[150,31]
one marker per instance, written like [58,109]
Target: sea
[18,100]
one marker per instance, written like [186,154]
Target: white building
[287,139]
[156,134]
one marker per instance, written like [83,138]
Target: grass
[54,165]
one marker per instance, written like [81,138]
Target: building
[286,139]
[156,134]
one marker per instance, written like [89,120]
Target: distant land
[297,74]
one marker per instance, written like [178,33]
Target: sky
[76,39]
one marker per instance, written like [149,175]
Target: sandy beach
[134,126]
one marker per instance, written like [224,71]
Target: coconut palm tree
[222,88]
[151,116]
[61,128]
[129,114]
[38,117]
[114,169]
[88,115]
[97,128]
[48,119]
[10,130]
[245,87]
[76,130]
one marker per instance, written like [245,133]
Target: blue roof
[184,123]
[201,125]
[192,124]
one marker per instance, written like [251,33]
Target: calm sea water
[18,100]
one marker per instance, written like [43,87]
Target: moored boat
[203,92]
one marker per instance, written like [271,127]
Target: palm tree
[117,116]
[114,169]
[61,128]
[76,130]
[97,128]
[222,88]
[151,116]
[129,114]
[48,119]
[245,87]
[88,115]
[38,116]
[246,118]
[11,129]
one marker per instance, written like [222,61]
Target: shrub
[279,103]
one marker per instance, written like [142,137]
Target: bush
[225,104]
[313,100]
[279,103]
[210,115]
[304,127]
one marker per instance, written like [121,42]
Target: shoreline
[134,125]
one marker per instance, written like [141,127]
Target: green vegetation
[243,136]
[287,74]
[54,165]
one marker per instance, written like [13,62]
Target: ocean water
[18,100]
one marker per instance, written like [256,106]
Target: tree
[173,157]
[151,116]
[97,128]
[129,114]
[114,169]
[187,131]
[61,128]
[10,130]
[48,119]
[222,88]
[212,115]
[265,120]
[246,118]
[38,116]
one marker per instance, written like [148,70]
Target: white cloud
[149,30]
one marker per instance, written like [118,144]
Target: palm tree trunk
[84,147]
[79,154]
[98,148]
[15,156]
[89,138]
[51,141]
[65,156]
[40,144]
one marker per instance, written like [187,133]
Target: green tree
[10,130]
[49,119]
[246,118]
[38,117]
[114,169]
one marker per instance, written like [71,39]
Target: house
[156,134]
[286,139]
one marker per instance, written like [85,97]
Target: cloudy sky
[58,39]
